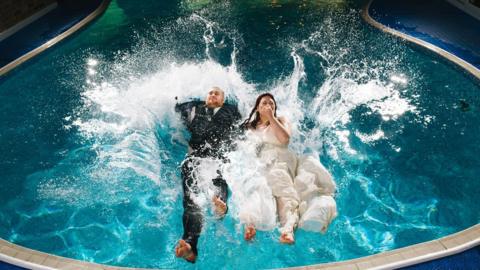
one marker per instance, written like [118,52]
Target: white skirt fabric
[316,188]
[280,165]
[251,202]
[272,181]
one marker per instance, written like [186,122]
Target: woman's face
[265,102]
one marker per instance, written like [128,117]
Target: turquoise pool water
[91,145]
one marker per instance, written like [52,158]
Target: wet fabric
[299,189]
[210,133]
[193,185]
[315,188]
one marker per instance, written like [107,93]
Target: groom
[211,124]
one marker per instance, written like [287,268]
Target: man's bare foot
[184,250]
[220,206]
[250,232]
[287,238]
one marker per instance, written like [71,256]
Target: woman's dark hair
[248,123]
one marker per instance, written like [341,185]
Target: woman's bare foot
[220,207]
[287,238]
[184,250]
[250,232]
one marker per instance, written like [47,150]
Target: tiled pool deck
[15,257]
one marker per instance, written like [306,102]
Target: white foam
[367,138]
[123,111]
[252,200]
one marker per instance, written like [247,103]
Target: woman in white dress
[273,133]
[301,187]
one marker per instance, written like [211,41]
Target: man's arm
[185,109]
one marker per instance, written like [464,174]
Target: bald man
[210,123]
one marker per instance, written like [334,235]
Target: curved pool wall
[447,30]
[386,260]
[53,27]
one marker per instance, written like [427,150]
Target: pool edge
[449,56]
[452,244]
[12,65]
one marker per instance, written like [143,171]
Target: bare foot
[287,238]
[220,206]
[184,250]
[250,232]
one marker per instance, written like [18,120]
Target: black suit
[211,137]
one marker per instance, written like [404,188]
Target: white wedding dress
[267,179]
[280,167]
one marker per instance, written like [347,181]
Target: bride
[300,189]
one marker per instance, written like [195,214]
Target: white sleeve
[192,115]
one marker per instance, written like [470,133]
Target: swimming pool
[91,144]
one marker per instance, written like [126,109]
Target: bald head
[215,97]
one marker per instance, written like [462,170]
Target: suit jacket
[210,135]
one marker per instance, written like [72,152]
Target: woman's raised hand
[267,112]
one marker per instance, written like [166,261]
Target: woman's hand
[267,112]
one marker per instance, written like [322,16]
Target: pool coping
[449,56]
[452,244]
[10,66]
[402,257]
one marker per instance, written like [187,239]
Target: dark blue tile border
[57,21]
[433,21]
[468,260]
[6,266]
